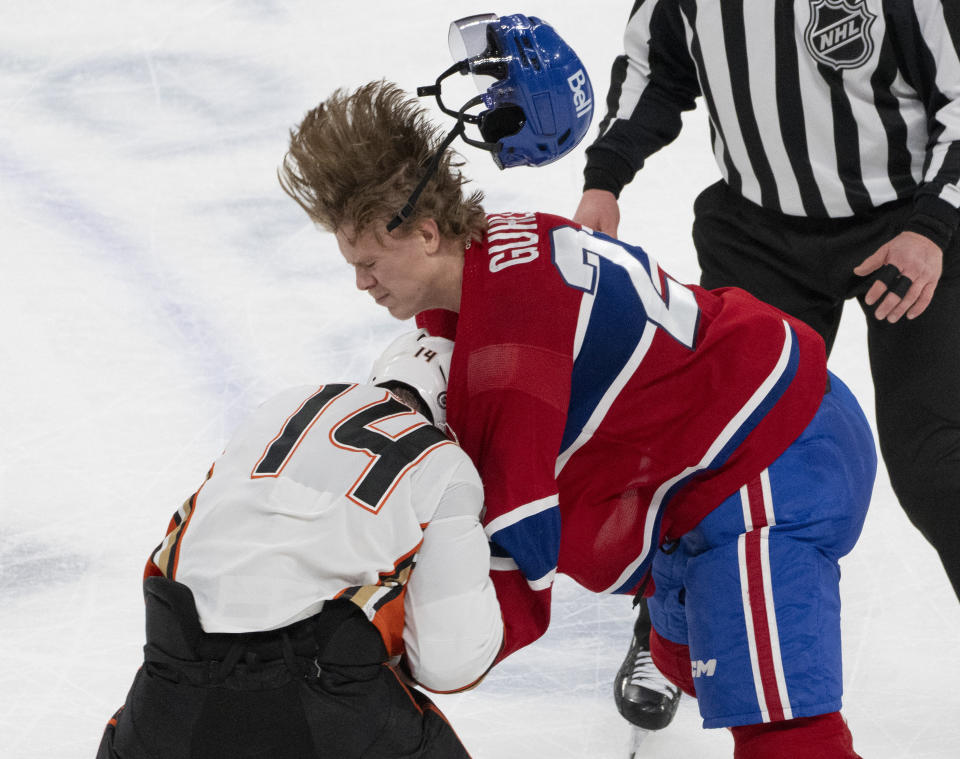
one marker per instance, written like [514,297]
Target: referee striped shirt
[819,108]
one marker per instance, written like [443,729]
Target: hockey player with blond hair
[642,436]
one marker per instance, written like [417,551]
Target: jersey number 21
[581,257]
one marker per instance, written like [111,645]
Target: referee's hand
[918,263]
[599,210]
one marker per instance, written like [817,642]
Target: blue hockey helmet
[536,97]
[539,104]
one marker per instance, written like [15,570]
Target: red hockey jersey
[607,407]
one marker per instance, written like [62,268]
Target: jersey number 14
[389,455]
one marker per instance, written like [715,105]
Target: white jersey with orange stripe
[338,491]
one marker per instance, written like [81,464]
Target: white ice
[156,284]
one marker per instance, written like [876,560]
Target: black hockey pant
[318,688]
[805,267]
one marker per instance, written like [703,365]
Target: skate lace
[646,675]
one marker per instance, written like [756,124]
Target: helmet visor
[467,37]
[471,39]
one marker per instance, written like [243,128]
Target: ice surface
[157,284]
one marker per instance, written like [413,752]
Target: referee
[836,127]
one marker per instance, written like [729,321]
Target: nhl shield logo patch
[838,34]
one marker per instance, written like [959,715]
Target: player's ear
[430,232]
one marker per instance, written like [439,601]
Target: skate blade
[637,736]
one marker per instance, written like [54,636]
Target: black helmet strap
[404,213]
[463,118]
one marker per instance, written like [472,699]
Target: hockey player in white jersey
[333,552]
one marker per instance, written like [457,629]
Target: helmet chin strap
[404,213]
[459,130]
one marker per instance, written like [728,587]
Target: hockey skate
[643,696]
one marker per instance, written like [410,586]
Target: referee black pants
[319,688]
[805,267]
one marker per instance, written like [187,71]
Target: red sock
[673,661]
[823,737]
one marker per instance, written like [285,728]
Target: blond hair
[355,159]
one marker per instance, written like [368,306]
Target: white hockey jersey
[338,492]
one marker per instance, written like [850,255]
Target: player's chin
[400,311]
